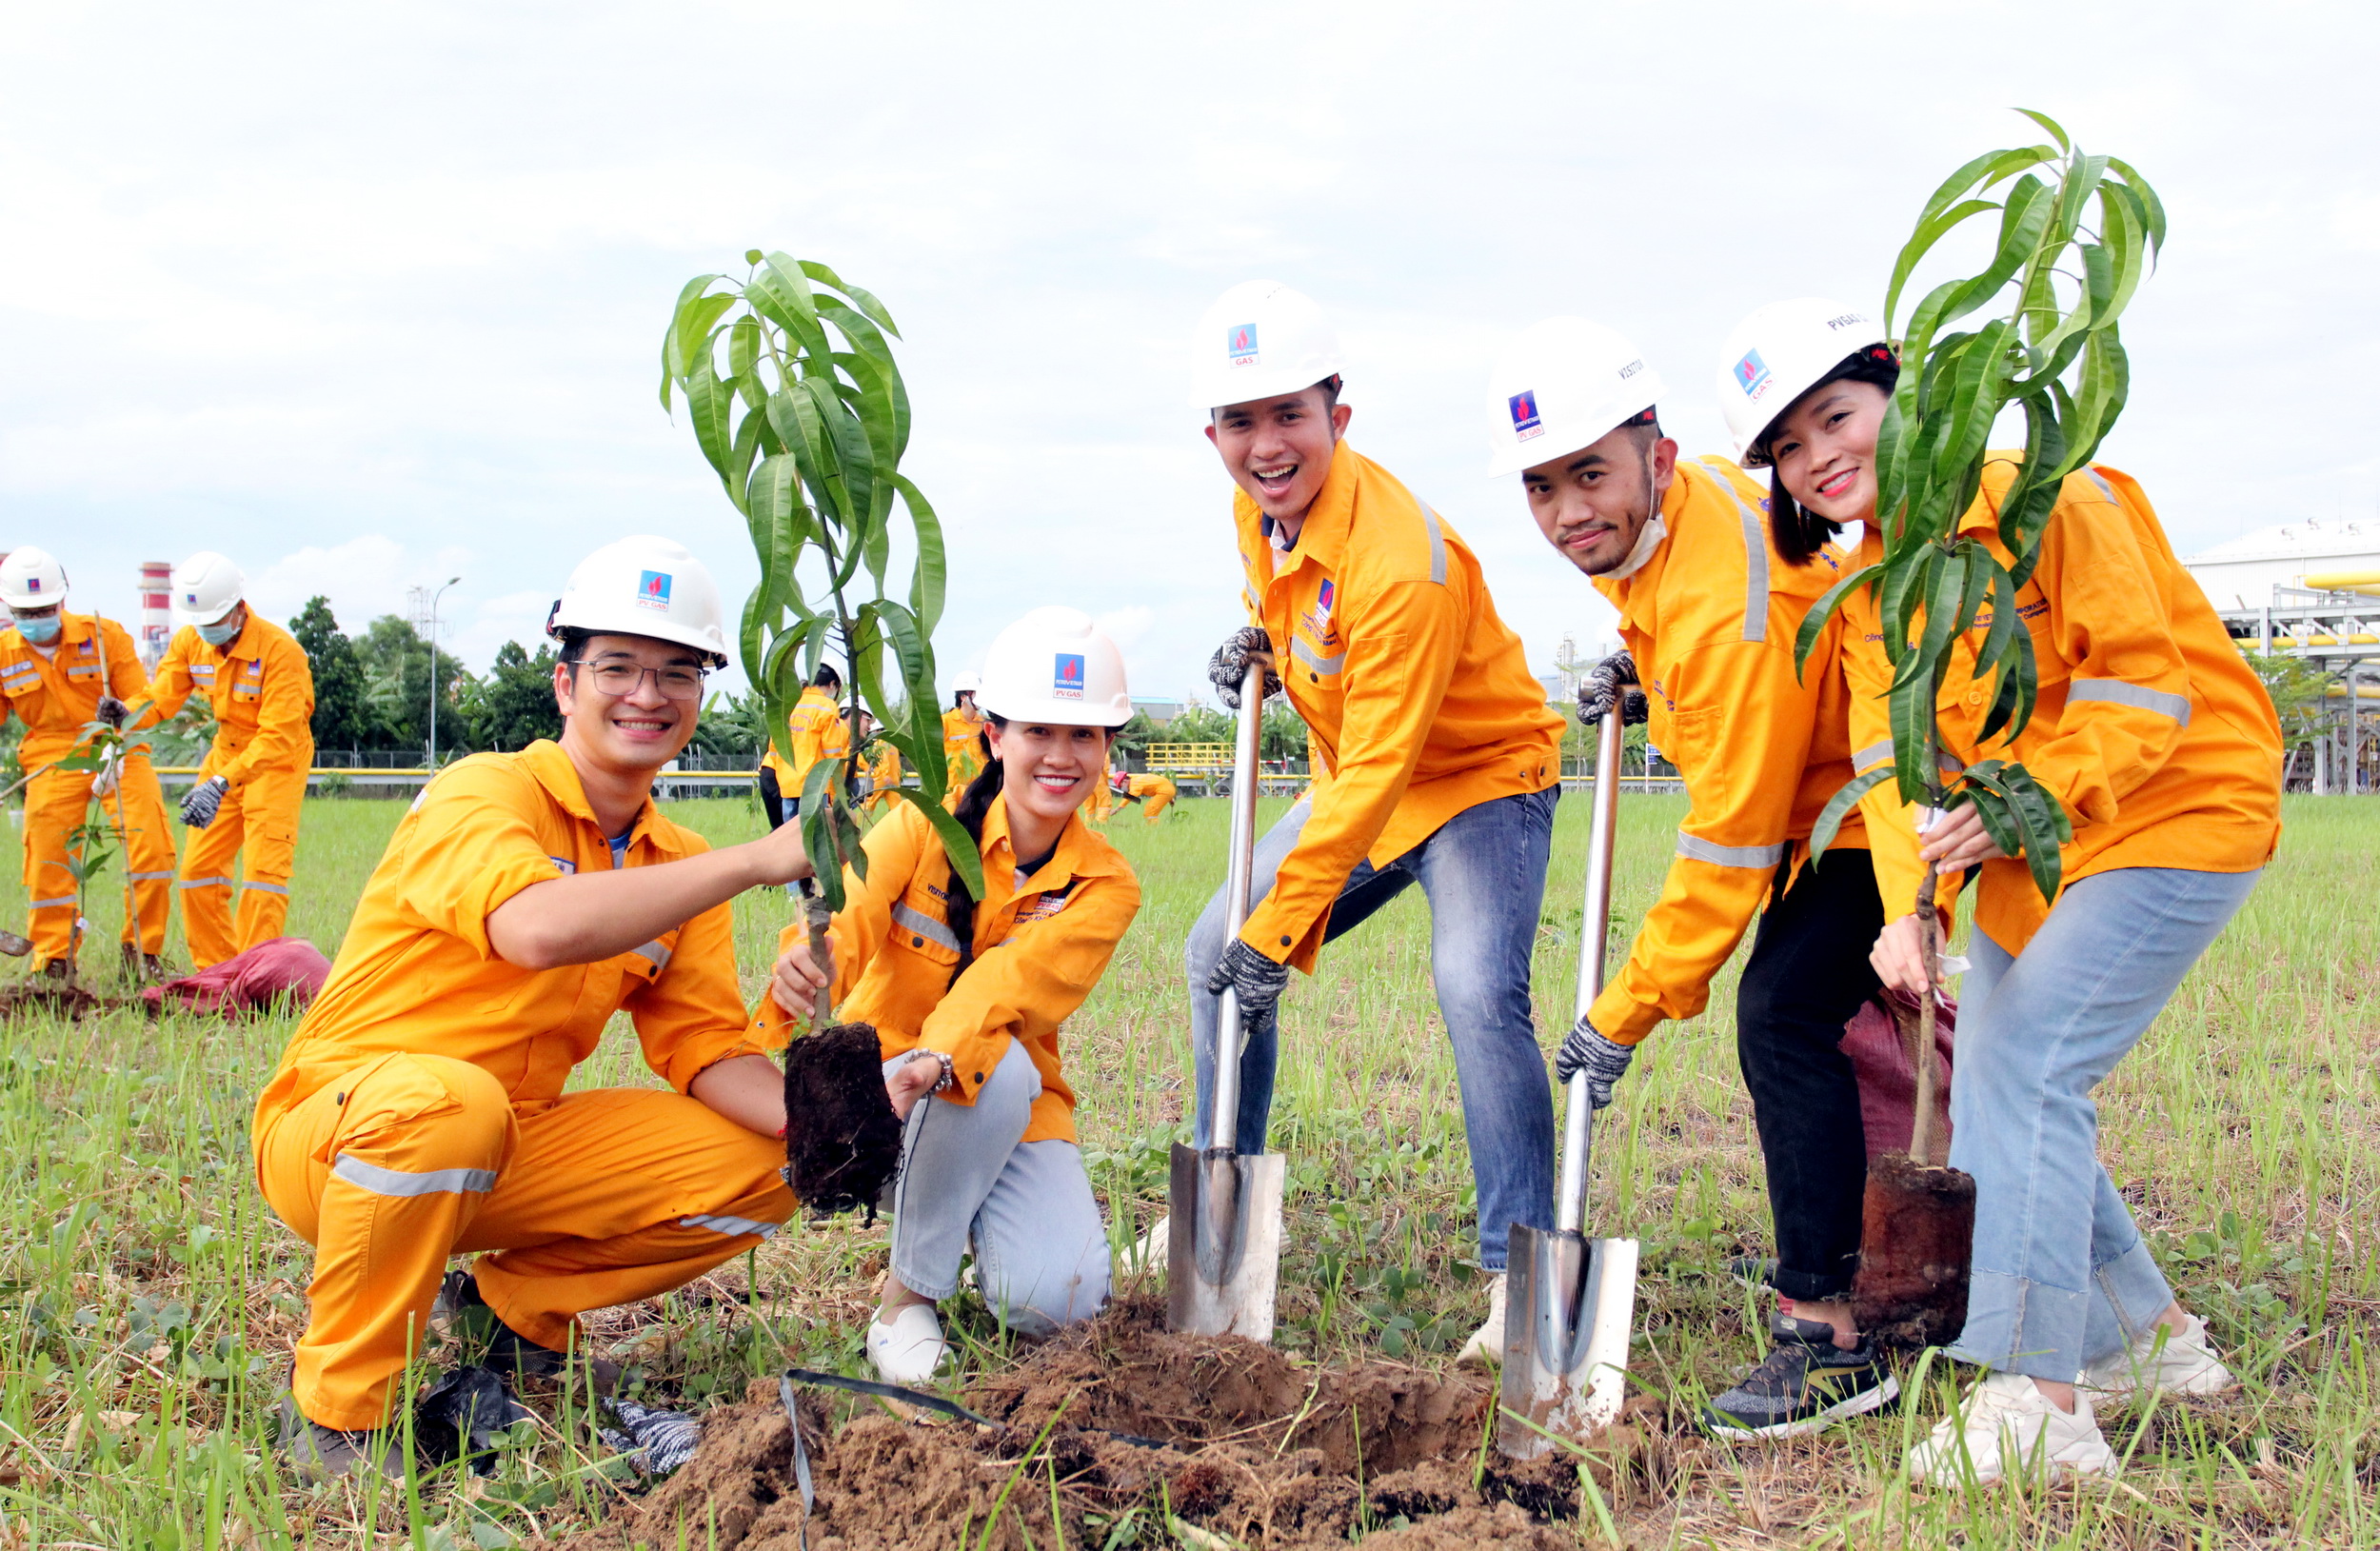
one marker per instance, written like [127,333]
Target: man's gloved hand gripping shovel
[1570,1302]
[1222,1267]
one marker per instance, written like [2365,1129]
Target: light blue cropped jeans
[2061,1275]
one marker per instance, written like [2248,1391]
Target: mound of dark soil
[1262,1450]
[841,1137]
[52,998]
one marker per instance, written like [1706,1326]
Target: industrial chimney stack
[156,610]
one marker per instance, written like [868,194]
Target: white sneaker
[910,1349]
[1486,1345]
[2183,1361]
[2004,1424]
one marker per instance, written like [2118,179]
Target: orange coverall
[1153,793]
[963,752]
[419,1110]
[261,689]
[815,731]
[2150,728]
[58,695]
[1040,948]
[1416,693]
[1711,619]
[883,774]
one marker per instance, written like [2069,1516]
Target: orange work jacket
[1041,945]
[2150,727]
[1416,694]
[261,688]
[883,769]
[417,974]
[962,747]
[815,731]
[1711,619]
[58,695]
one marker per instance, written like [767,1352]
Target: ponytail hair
[1797,532]
[974,804]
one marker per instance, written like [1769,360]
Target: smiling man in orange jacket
[419,1111]
[1443,762]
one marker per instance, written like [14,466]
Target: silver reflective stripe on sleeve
[733,1227]
[148,877]
[2100,480]
[1256,604]
[1695,849]
[397,1182]
[203,883]
[281,889]
[1875,754]
[924,925]
[2116,693]
[656,952]
[1438,546]
[1755,554]
[1321,664]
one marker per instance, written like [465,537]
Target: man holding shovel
[1709,611]
[1443,762]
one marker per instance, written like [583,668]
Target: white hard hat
[967,682]
[205,588]
[644,586]
[31,578]
[1564,383]
[1056,666]
[1778,354]
[1260,339]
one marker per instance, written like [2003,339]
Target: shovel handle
[1594,930]
[1223,1117]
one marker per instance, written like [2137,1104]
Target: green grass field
[151,1298]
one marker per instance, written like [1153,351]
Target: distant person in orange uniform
[1153,793]
[815,729]
[962,733]
[1444,763]
[1708,612]
[252,785]
[419,1112]
[882,774]
[967,997]
[61,672]
[2160,744]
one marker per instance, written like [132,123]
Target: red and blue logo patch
[1240,342]
[1525,420]
[1751,374]
[652,591]
[1323,599]
[1066,682]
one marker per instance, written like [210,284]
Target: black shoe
[488,1341]
[1753,1270]
[319,1451]
[1805,1382]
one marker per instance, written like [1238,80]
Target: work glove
[1610,682]
[111,710]
[655,1440]
[198,807]
[1256,979]
[110,769]
[1601,1060]
[1230,665]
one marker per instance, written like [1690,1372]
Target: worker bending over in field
[419,1111]
[963,731]
[966,997]
[1154,793]
[1708,611]
[2163,747]
[62,673]
[883,775]
[252,785]
[1443,760]
[815,731]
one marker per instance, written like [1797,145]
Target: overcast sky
[367,295]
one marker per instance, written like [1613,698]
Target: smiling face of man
[629,702]
[1593,504]
[1279,449]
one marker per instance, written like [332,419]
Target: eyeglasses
[619,679]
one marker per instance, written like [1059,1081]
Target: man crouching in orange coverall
[419,1112]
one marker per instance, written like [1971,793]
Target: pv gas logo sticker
[1067,680]
[1751,374]
[1241,344]
[652,591]
[32,584]
[1324,600]
[1525,420]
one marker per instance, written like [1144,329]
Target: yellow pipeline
[2367,583]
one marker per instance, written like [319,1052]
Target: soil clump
[54,998]
[842,1140]
[1261,1450]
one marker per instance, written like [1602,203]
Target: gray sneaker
[1805,1382]
[322,1452]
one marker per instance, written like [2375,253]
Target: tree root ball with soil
[54,1000]
[1264,1451]
[1917,1234]
[843,1141]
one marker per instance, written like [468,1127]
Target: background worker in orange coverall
[1708,611]
[419,1110]
[967,997]
[816,729]
[61,672]
[252,785]
[1154,792]
[2160,744]
[1443,762]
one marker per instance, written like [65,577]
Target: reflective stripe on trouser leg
[268,810]
[383,1170]
[54,803]
[149,845]
[207,859]
[616,1194]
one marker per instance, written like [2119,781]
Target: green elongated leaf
[741,455]
[1839,806]
[926,581]
[1806,637]
[1931,229]
[709,403]
[671,351]
[1980,787]
[2050,124]
[964,860]
[863,300]
[1897,599]
[781,284]
[2045,825]
[819,838]
[1943,623]
[744,347]
[2153,210]
[2004,619]
[1910,711]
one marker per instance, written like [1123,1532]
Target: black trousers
[775,803]
[1807,974]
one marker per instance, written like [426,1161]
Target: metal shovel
[1570,1302]
[1223,1265]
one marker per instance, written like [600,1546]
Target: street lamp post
[433,670]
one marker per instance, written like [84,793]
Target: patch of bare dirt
[52,998]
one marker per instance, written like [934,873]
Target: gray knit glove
[1229,665]
[1605,685]
[1603,1061]
[198,808]
[1256,979]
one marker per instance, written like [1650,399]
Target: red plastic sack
[287,969]
[1888,1083]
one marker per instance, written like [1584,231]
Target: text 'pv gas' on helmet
[645,586]
[1054,666]
[1260,339]
[1563,385]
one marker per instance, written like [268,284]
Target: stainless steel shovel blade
[1224,1254]
[1570,1306]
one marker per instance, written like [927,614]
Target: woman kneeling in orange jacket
[966,997]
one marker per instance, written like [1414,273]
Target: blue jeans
[2061,1275]
[1483,872]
